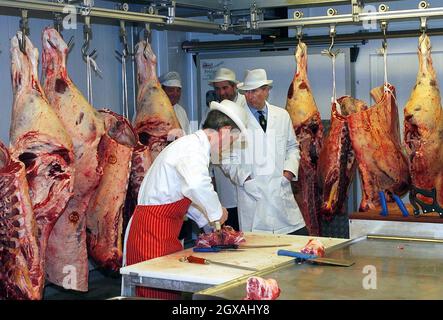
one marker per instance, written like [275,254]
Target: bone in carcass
[67,261]
[424,126]
[20,267]
[40,141]
[375,137]
[258,288]
[105,212]
[309,131]
[337,165]
[155,122]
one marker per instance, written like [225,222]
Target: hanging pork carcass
[67,260]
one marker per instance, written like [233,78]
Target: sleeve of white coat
[292,159]
[233,167]
[197,186]
[195,214]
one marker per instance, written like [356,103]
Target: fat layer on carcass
[105,211]
[39,140]
[20,268]
[337,165]
[375,137]
[309,131]
[67,261]
[155,123]
[424,126]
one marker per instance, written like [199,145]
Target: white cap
[234,111]
[224,74]
[254,79]
[171,79]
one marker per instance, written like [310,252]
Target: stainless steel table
[385,268]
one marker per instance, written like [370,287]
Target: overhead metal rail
[358,16]
[129,16]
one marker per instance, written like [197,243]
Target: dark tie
[262,120]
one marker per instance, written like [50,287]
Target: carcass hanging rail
[358,16]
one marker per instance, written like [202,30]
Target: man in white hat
[267,165]
[171,84]
[225,86]
[178,183]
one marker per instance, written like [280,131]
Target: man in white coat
[225,86]
[264,169]
[171,84]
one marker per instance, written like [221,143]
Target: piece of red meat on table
[315,247]
[262,289]
[230,237]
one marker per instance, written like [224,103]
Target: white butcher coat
[266,202]
[182,117]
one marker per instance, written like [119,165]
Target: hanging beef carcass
[40,141]
[424,126]
[309,131]
[105,211]
[67,261]
[156,123]
[20,268]
[375,137]
[337,165]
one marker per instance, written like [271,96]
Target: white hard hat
[171,79]
[254,79]
[224,74]
[236,112]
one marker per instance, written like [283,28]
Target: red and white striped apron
[154,233]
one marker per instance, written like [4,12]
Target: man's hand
[288,175]
[224,216]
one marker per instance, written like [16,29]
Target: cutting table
[386,267]
[168,272]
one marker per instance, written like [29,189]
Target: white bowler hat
[254,79]
[171,79]
[236,112]
[224,74]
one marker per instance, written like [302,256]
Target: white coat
[266,202]
[182,117]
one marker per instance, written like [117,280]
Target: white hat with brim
[224,74]
[170,79]
[254,79]
[236,112]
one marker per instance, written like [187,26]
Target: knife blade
[316,259]
[241,246]
[198,260]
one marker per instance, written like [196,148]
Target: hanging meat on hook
[337,165]
[39,140]
[309,131]
[424,126]
[66,252]
[155,123]
[20,268]
[375,136]
[105,211]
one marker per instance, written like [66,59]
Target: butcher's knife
[198,260]
[252,246]
[314,258]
